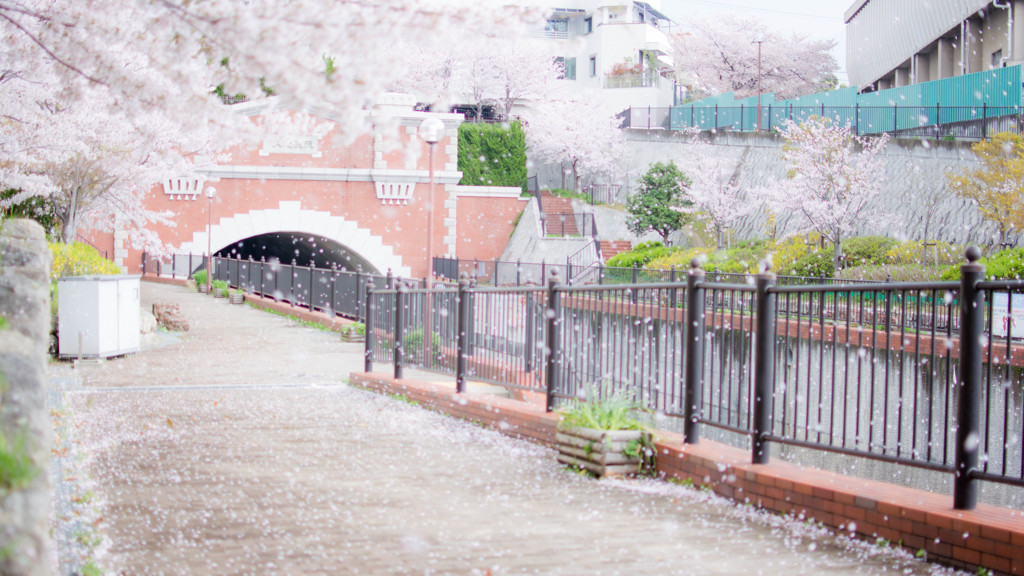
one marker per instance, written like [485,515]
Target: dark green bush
[492,154]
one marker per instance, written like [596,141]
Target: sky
[814,18]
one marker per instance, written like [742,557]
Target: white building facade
[892,43]
[619,48]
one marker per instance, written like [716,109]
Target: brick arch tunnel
[301,248]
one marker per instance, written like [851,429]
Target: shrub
[1004,265]
[413,344]
[791,249]
[866,250]
[78,259]
[815,264]
[492,154]
[641,255]
[199,278]
[895,272]
[678,258]
[910,252]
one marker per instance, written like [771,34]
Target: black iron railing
[926,375]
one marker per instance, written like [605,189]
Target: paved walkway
[238,449]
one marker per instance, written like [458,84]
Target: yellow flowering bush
[78,259]
[913,252]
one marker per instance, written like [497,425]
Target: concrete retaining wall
[25,305]
[917,197]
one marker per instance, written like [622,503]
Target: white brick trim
[291,217]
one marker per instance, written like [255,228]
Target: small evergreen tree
[656,207]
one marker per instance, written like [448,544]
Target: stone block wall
[25,307]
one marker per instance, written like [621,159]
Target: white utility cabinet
[98,316]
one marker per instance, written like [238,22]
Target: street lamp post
[758,42]
[210,193]
[431,131]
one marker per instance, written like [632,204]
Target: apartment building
[619,48]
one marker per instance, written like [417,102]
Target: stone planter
[201,288]
[602,451]
[219,293]
[236,297]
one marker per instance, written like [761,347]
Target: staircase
[559,218]
[610,248]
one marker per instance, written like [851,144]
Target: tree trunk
[837,255]
[69,217]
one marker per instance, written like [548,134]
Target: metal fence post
[334,285]
[968,413]
[531,329]
[368,329]
[400,302]
[694,374]
[984,121]
[462,338]
[519,271]
[672,279]
[553,344]
[389,280]
[764,365]
[263,262]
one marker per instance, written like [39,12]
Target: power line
[716,4]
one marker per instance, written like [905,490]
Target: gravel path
[239,449]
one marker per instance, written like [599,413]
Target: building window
[593,66]
[556,28]
[588,25]
[997,58]
[568,65]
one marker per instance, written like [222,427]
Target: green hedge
[492,154]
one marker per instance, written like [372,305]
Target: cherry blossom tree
[169,54]
[718,56]
[713,196]
[100,100]
[471,69]
[525,71]
[576,133]
[834,179]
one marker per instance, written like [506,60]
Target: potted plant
[220,289]
[604,437]
[412,344]
[355,332]
[236,296]
[200,279]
